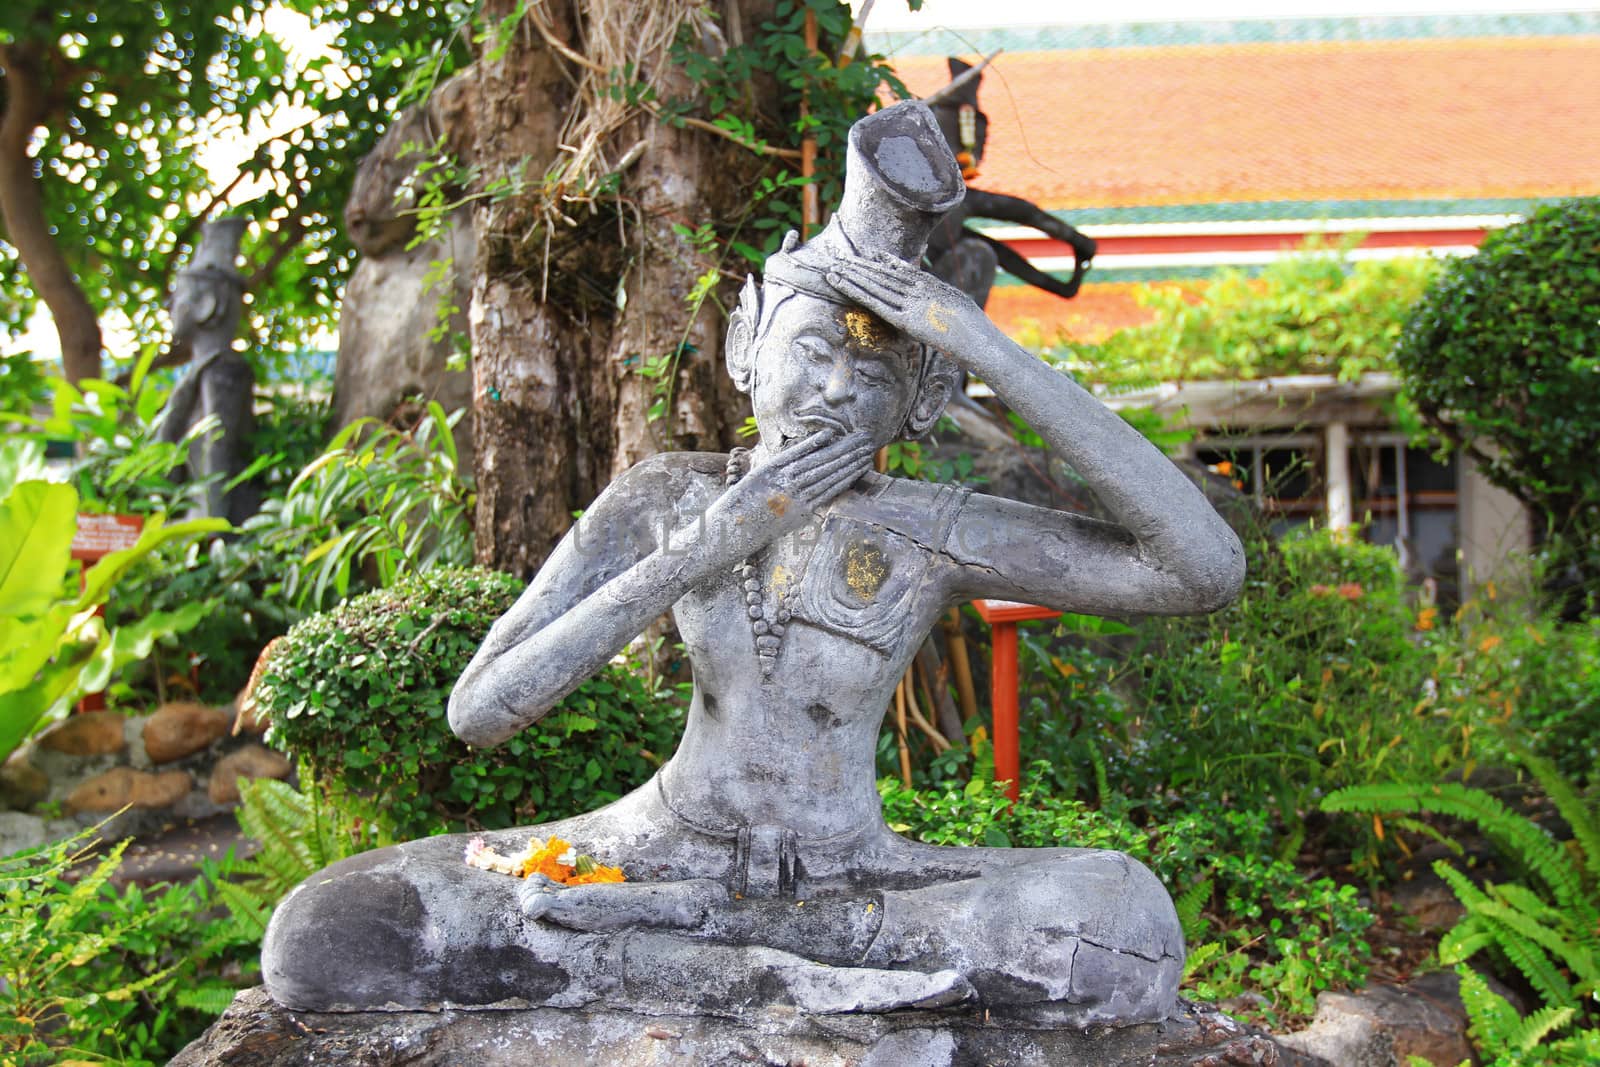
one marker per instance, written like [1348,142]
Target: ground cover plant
[53,647]
[105,974]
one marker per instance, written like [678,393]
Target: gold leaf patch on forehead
[867,331]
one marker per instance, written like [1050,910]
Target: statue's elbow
[465,714]
[1222,576]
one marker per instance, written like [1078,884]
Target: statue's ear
[205,307]
[740,347]
[939,378]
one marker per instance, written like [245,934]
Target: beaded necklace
[768,633]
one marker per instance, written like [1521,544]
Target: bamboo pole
[919,720]
[956,642]
[900,729]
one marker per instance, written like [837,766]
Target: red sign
[100,535]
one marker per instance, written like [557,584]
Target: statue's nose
[841,384]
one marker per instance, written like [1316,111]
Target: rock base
[256,1032]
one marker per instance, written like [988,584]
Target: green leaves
[378,500]
[137,87]
[1313,313]
[38,520]
[1547,928]
[52,646]
[106,974]
[360,692]
[1502,359]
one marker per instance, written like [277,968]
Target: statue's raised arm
[1168,552]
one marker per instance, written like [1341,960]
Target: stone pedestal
[256,1032]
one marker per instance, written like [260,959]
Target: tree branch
[288,236]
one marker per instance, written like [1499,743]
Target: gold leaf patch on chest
[865,568]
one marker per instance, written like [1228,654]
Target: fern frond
[1200,956]
[278,817]
[1522,840]
[1585,822]
[1491,1020]
[1533,930]
[245,906]
[1470,895]
[236,931]
[1535,966]
[1464,940]
[1536,1027]
[212,999]
[1190,905]
[1528,902]
[83,895]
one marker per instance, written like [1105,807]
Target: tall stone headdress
[900,180]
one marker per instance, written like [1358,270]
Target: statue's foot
[840,990]
[614,906]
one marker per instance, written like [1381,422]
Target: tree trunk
[22,207]
[567,315]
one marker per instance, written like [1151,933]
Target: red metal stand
[1003,616]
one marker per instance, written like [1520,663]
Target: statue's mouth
[821,422]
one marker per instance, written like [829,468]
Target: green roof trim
[1278,210]
[943,42]
[1097,273]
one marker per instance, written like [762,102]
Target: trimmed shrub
[1502,358]
[360,691]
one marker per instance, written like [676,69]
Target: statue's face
[192,305]
[821,365]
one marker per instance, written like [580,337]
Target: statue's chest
[848,578]
[862,581]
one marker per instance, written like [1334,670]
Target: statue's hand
[910,299]
[780,495]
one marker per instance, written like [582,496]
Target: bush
[1502,358]
[1312,313]
[360,692]
[1316,677]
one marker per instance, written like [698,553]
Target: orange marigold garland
[556,859]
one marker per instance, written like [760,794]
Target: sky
[895,15]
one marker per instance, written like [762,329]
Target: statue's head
[808,357]
[962,122]
[206,292]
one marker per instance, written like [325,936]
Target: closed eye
[874,372]
[813,349]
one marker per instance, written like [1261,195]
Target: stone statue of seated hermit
[760,871]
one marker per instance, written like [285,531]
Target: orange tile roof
[1386,120]
[1099,309]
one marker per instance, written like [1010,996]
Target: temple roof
[1476,118]
[1200,138]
